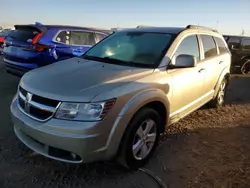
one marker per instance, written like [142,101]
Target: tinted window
[209,46]
[225,37]
[246,44]
[5,33]
[100,36]
[131,48]
[189,46]
[82,38]
[64,37]
[234,43]
[23,34]
[221,45]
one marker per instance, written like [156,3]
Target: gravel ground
[209,148]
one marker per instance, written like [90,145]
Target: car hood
[79,80]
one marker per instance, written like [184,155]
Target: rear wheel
[219,100]
[140,139]
[245,69]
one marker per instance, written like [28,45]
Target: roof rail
[143,26]
[201,27]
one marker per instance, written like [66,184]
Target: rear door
[61,49]
[224,53]
[245,47]
[211,63]
[81,41]
[234,44]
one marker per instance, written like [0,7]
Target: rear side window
[246,44]
[221,45]
[63,37]
[189,46]
[209,46]
[82,38]
[234,43]
[23,34]
[100,36]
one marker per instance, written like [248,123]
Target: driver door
[187,82]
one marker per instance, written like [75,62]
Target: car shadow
[238,91]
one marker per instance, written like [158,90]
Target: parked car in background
[240,49]
[37,45]
[3,34]
[116,100]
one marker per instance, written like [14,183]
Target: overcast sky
[228,16]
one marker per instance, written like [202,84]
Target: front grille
[44,101]
[35,106]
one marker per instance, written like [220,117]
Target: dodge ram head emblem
[27,102]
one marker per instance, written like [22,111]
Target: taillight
[36,48]
[36,38]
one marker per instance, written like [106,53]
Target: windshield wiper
[130,63]
[109,60]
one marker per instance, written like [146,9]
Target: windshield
[131,48]
[5,33]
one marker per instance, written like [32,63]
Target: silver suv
[116,100]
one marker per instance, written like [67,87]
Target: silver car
[116,100]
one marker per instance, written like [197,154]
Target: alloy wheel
[144,139]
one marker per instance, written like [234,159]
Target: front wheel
[140,139]
[245,69]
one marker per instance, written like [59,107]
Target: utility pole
[242,32]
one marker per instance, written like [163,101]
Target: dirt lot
[209,148]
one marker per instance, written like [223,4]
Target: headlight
[84,111]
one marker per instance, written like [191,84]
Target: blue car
[36,45]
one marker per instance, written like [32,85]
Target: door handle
[78,50]
[202,69]
[220,62]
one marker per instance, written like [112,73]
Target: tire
[137,157]
[245,69]
[219,100]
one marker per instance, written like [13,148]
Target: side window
[246,44]
[82,38]
[63,36]
[234,43]
[189,46]
[209,46]
[221,45]
[100,36]
[225,37]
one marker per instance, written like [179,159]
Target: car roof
[62,27]
[236,36]
[172,30]
[75,27]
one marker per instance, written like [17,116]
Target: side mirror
[184,61]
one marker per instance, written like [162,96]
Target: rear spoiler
[41,29]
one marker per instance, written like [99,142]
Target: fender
[223,73]
[128,111]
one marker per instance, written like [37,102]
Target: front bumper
[67,141]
